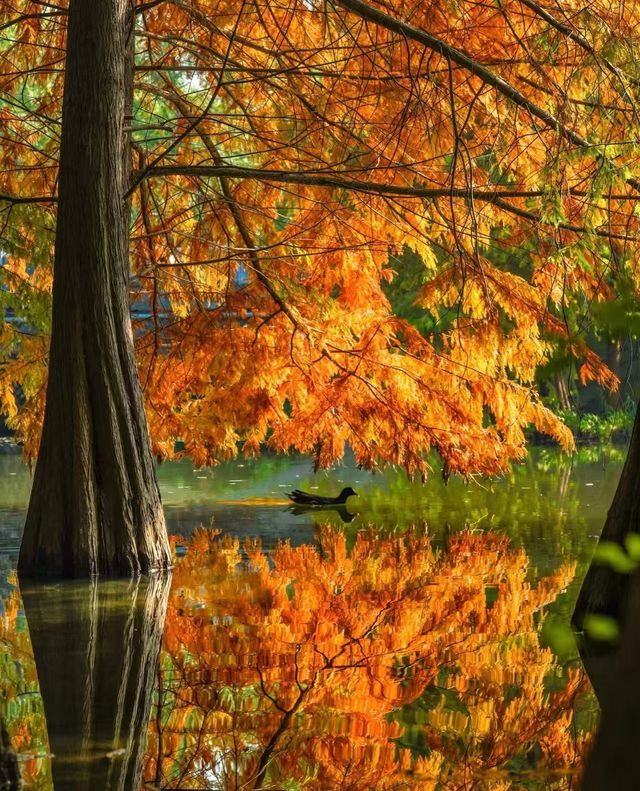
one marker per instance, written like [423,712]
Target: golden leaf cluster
[386,664]
[281,154]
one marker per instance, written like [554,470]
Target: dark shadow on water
[615,676]
[340,510]
[9,771]
[96,648]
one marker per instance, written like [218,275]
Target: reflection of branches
[285,722]
[288,714]
[264,662]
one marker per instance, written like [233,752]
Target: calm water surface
[416,639]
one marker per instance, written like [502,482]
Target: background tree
[280,154]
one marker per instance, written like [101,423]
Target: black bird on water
[304,498]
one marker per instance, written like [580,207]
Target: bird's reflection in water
[341,510]
[96,647]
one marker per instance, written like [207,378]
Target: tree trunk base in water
[605,591]
[95,505]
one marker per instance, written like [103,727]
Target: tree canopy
[285,154]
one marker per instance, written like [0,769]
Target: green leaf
[608,553]
[601,627]
[632,545]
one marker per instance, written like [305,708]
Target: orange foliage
[321,667]
[282,152]
[21,708]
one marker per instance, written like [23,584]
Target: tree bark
[95,505]
[614,675]
[562,390]
[604,591]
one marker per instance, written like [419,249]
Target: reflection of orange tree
[300,671]
[21,709]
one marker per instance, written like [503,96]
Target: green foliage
[557,633]
[411,275]
[614,426]
[621,317]
[608,553]
[601,627]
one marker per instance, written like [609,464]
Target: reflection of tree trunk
[613,762]
[603,590]
[613,360]
[96,648]
[563,481]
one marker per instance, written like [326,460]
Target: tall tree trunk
[95,506]
[604,591]
[614,674]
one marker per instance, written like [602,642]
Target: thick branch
[407,31]
[328,179]
[18,199]
[568,31]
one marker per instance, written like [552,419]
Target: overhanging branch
[16,200]
[454,55]
[497,197]
[321,178]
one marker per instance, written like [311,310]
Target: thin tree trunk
[604,591]
[562,390]
[95,506]
[614,360]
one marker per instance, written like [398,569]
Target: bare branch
[15,200]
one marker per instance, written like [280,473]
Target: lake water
[416,639]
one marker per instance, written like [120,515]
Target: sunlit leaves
[264,310]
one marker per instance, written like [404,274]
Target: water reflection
[95,650]
[553,504]
[385,665]
[443,673]
[341,511]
